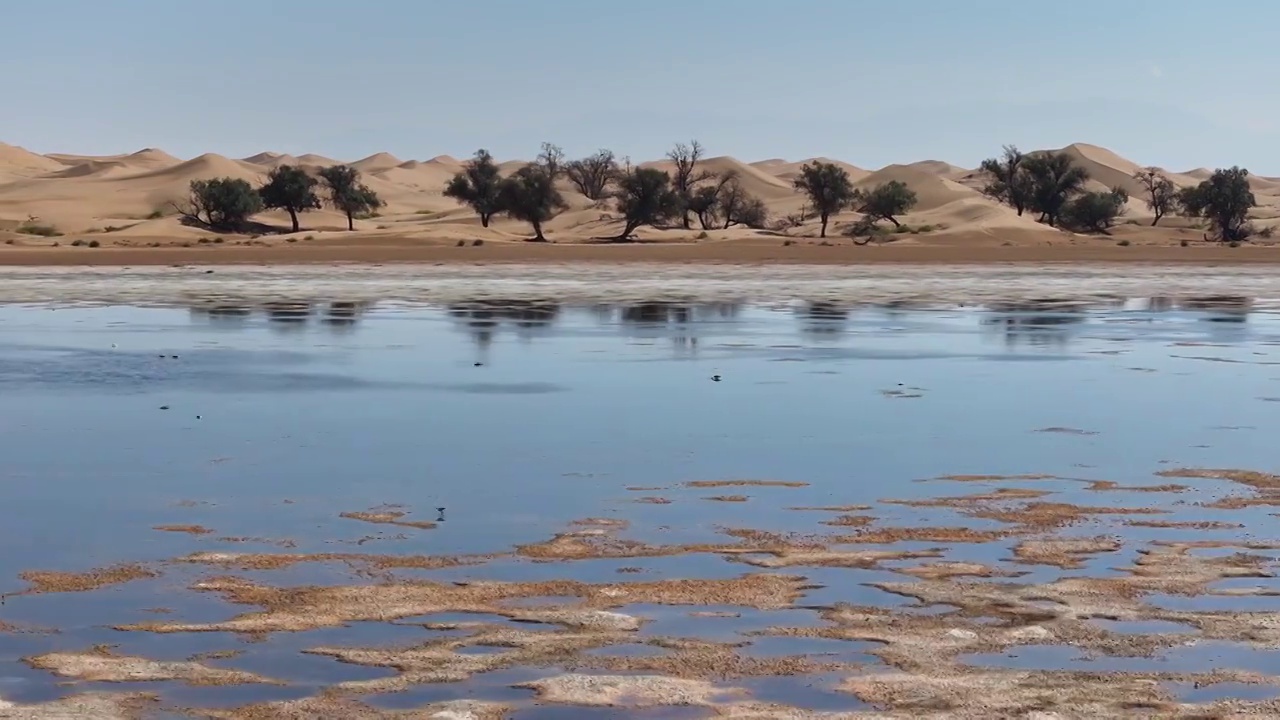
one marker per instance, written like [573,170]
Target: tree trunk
[351,222]
[688,224]
[626,231]
[293,215]
[484,219]
[537,232]
[1156,220]
[824,226]
[895,222]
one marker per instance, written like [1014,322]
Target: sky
[1174,83]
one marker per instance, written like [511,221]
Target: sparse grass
[926,228]
[702,235]
[9,241]
[41,230]
[1123,243]
[115,228]
[1267,232]
[309,237]
[218,241]
[155,215]
[1131,221]
[292,240]
[255,236]
[901,229]
[1234,244]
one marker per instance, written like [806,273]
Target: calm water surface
[517,418]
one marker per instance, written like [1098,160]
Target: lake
[534,493]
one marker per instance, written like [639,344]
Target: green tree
[478,185]
[291,189]
[220,204]
[1094,212]
[1162,194]
[1055,179]
[592,174]
[644,197]
[530,195]
[1225,200]
[829,189]
[1008,180]
[348,194]
[887,201]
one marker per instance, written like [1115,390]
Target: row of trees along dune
[1051,184]
[227,203]
[643,196]
[649,196]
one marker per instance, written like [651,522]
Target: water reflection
[1045,322]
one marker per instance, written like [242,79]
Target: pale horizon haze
[1175,83]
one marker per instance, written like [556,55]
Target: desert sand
[117,210]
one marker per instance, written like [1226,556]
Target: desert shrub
[1123,243]
[155,215]
[77,243]
[94,243]
[40,230]
[702,235]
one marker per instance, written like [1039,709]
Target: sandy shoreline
[920,284]
[709,253]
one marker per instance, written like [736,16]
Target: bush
[1094,212]
[1234,244]
[1267,232]
[223,203]
[77,243]
[1123,243]
[902,230]
[41,230]
[94,243]
[703,235]
[1184,242]
[477,243]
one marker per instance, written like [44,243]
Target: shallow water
[504,422]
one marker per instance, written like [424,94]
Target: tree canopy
[1162,194]
[348,194]
[1055,179]
[291,189]
[591,175]
[1225,200]
[1008,179]
[530,195]
[221,203]
[886,202]
[644,197]
[1094,211]
[478,185]
[829,189]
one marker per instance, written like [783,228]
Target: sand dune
[116,199]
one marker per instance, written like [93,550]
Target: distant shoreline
[703,253]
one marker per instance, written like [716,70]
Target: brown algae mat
[1056,574]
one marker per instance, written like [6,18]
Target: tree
[530,195]
[687,175]
[551,159]
[1094,212]
[829,189]
[1225,200]
[885,202]
[738,207]
[1162,194]
[705,204]
[1054,181]
[645,197]
[221,203]
[1008,180]
[348,194]
[291,189]
[478,185]
[592,174]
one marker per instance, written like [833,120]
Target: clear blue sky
[1171,82]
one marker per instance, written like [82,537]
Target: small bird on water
[715,378]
